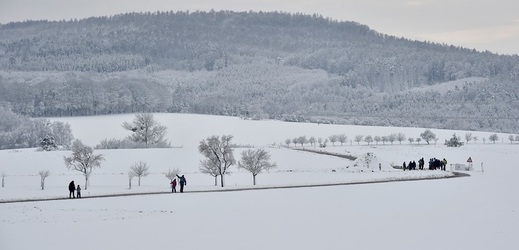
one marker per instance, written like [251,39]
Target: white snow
[476,212]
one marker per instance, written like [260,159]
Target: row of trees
[219,157]
[427,136]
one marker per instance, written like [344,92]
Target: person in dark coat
[174,186]
[182,181]
[78,190]
[71,189]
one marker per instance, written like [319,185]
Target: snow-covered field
[476,212]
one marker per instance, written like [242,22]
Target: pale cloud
[478,38]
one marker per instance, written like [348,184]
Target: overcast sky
[481,24]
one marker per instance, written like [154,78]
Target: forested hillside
[261,65]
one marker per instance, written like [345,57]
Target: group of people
[73,190]
[181,180]
[433,164]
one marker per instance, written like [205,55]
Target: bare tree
[255,161]
[358,138]
[384,139]
[146,130]
[333,139]
[493,138]
[418,140]
[43,175]
[83,160]
[130,178]
[210,167]
[288,141]
[140,169]
[368,139]
[428,136]
[4,174]
[411,140]
[172,174]
[377,139]
[400,137]
[219,152]
[302,140]
[312,141]
[391,138]
[475,138]
[511,138]
[468,137]
[342,138]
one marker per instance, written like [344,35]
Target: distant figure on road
[71,189]
[182,181]
[78,189]
[174,186]
[380,167]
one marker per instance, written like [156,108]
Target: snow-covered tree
[391,138]
[219,152]
[428,136]
[312,141]
[302,140]
[400,137]
[511,138]
[455,141]
[172,174]
[130,178]
[210,167]
[288,141]
[377,139]
[3,175]
[255,161]
[411,140]
[368,139]
[418,140]
[493,138]
[83,160]
[48,143]
[140,169]
[333,139]
[358,138]
[342,138]
[145,129]
[468,137]
[43,175]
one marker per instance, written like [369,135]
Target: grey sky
[481,24]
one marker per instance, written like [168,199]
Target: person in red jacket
[174,186]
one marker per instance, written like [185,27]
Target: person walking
[174,186]
[71,189]
[78,190]
[182,181]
